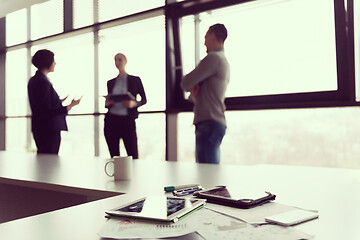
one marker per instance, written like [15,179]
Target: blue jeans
[209,135]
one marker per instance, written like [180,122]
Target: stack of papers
[208,223]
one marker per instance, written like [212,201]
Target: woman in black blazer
[120,118]
[48,113]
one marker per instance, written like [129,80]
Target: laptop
[158,208]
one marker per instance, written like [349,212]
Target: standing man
[207,84]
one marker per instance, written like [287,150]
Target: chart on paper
[218,226]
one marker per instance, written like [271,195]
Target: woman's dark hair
[220,31]
[43,59]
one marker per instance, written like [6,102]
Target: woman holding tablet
[120,118]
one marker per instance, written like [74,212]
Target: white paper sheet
[209,224]
[120,229]
[254,215]
[219,226]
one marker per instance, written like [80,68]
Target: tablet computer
[120,97]
[235,196]
[158,208]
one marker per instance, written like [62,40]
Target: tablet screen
[157,207]
[150,207]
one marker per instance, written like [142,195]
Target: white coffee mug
[123,168]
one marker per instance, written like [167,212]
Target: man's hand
[194,92]
[129,103]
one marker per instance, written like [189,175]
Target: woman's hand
[73,103]
[109,102]
[129,103]
[63,99]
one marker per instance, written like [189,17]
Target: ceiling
[8,6]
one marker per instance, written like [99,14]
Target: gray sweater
[212,74]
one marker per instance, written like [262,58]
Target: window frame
[343,96]
[175,98]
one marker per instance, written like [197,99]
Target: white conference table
[334,192]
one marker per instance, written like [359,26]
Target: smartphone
[292,217]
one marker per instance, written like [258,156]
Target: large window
[312,137]
[143,43]
[150,130]
[274,47]
[74,71]
[16,83]
[16,135]
[46,18]
[83,13]
[109,9]
[79,140]
[282,54]
[16,20]
[186,137]
[188,43]
[73,77]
